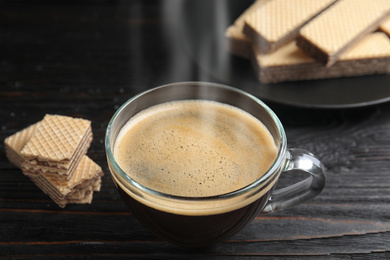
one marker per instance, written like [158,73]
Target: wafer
[278,21]
[57,146]
[15,143]
[371,55]
[385,26]
[82,195]
[238,43]
[78,189]
[330,34]
[85,180]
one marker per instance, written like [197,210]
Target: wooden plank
[86,60]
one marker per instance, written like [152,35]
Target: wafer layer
[370,56]
[15,143]
[80,186]
[238,43]
[385,26]
[78,189]
[343,24]
[57,144]
[83,195]
[56,138]
[65,170]
[86,171]
[278,21]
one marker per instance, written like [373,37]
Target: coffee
[194,148]
[194,231]
[195,172]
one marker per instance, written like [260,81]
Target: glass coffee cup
[197,221]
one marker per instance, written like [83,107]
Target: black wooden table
[85,58]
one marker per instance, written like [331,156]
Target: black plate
[204,24]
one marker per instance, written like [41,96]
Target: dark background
[86,58]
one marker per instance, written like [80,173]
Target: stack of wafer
[313,39]
[52,153]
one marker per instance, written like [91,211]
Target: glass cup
[202,221]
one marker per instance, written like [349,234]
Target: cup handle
[298,160]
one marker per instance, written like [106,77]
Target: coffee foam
[194,148]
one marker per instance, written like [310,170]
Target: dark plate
[204,24]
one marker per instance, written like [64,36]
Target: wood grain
[85,59]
